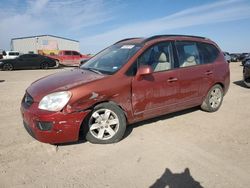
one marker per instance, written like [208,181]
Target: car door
[23,61]
[208,54]
[190,74]
[156,93]
[76,58]
[68,58]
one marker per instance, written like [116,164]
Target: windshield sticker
[127,46]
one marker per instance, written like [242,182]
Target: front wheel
[8,67]
[106,124]
[213,99]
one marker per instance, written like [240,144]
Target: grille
[27,100]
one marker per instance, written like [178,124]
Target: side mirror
[83,61]
[144,70]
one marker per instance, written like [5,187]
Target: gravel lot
[191,148]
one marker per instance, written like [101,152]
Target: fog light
[44,126]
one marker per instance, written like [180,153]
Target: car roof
[12,51]
[140,40]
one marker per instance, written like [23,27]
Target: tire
[8,67]
[57,64]
[106,124]
[247,82]
[44,65]
[213,99]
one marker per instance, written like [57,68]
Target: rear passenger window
[187,53]
[75,53]
[67,53]
[208,52]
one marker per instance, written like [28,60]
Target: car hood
[61,82]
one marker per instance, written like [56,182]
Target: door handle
[172,80]
[209,72]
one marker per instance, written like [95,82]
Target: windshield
[111,59]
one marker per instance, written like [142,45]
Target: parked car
[27,61]
[247,58]
[2,52]
[130,81]
[243,56]
[227,57]
[11,54]
[69,57]
[246,73]
[234,57]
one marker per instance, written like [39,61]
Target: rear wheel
[213,99]
[44,65]
[57,64]
[8,67]
[106,124]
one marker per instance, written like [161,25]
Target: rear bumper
[65,127]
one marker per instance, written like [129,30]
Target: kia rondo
[130,81]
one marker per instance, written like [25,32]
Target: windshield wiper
[93,70]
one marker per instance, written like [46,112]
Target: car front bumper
[52,127]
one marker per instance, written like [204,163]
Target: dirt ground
[191,148]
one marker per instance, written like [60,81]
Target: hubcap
[215,98]
[103,124]
[7,67]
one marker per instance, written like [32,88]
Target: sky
[99,23]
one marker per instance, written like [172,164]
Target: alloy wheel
[103,124]
[7,67]
[215,98]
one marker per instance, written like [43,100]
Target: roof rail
[127,39]
[160,36]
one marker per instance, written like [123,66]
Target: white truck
[10,54]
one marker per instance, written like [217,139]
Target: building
[43,44]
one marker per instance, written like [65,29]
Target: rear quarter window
[208,52]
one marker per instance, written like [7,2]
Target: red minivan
[132,80]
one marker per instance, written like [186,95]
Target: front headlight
[55,101]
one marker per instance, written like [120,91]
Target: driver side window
[158,57]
